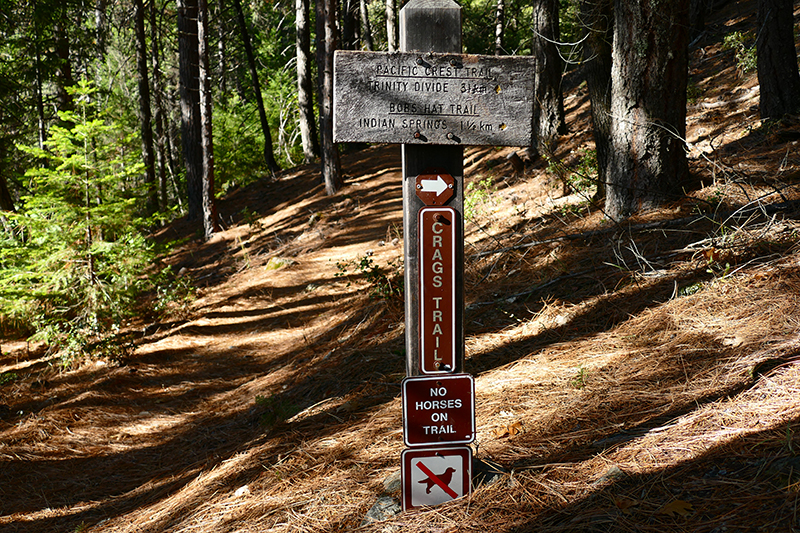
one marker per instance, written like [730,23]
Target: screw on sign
[433,476]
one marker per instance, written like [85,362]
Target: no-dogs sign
[435,475]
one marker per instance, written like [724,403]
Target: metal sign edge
[435,377]
[453,287]
[433,450]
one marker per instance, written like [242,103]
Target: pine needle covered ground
[640,377]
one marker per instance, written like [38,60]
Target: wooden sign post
[434,100]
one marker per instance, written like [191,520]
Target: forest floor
[633,377]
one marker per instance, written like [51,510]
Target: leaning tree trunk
[778,76]
[548,114]
[189,76]
[269,154]
[648,104]
[326,45]
[305,90]
[597,17]
[210,223]
[145,116]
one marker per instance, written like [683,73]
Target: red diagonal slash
[432,476]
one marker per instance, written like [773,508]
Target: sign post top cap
[431,4]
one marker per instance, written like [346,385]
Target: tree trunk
[145,116]
[366,28]
[63,74]
[305,91]
[6,201]
[41,126]
[498,28]
[548,109]
[101,27]
[210,223]
[778,76]
[326,45]
[648,104]
[190,106]
[162,156]
[597,17]
[391,25]
[348,25]
[222,49]
[269,154]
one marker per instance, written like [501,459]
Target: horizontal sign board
[438,410]
[432,476]
[432,98]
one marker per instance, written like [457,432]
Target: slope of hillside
[639,377]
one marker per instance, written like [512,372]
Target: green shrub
[72,258]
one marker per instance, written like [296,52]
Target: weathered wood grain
[432,98]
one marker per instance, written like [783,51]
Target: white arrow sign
[438,185]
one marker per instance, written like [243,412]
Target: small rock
[485,472]
[242,491]
[392,483]
[279,262]
[383,509]
[614,473]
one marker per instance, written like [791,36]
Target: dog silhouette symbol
[445,478]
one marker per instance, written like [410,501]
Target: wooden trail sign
[436,98]
[433,100]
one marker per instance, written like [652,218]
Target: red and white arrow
[438,185]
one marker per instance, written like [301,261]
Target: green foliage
[579,381]
[579,178]
[238,144]
[384,283]
[8,377]
[743,44]
[478,194]
[693,92]
[479,20]
[280,99]
[71,266]
[174,293]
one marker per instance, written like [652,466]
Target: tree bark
[597,17]
[366,28]
[189,76]
[548,109]
[269,154]
[498,27]
[326,45]
[348,25]
[778,76]
[222,49]
[305,91]
[6,201]
[210,222]
[63,74]
[391,25]
[145,116]
[162,156]
[648,105]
